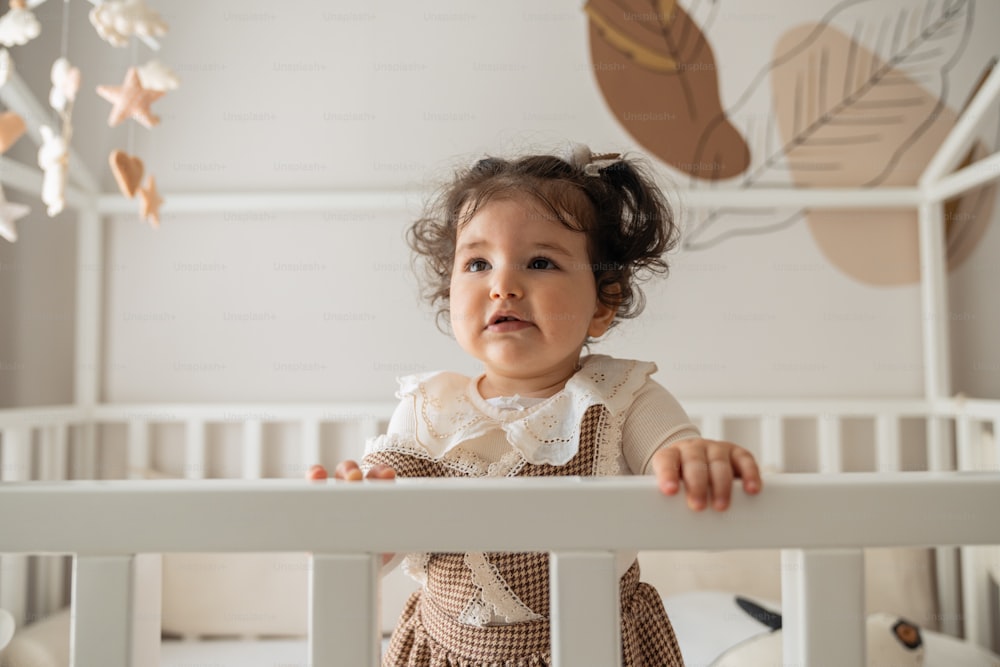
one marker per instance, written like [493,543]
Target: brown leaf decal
[848,118]
[657,73]
[847,114]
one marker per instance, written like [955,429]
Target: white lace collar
[450,410]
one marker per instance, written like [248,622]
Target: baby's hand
[707,468]
[350,471]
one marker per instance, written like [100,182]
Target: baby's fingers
[667,469]
[381,471]
[348,470]
[746,468]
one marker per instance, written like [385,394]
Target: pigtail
[637,229]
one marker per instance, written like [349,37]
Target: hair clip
[600,162]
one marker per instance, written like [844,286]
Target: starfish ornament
[130,100]
[10,213]
[149,203]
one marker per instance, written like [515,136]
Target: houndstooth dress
[447,623]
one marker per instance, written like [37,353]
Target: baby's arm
[659,439]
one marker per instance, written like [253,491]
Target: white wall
[390,95]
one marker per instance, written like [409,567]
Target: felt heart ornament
[11,128]
[128,171]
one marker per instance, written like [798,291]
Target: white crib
[821,520]
[105,524]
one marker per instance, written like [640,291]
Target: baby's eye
[541,263]
[477,265]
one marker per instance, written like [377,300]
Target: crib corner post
[823,603]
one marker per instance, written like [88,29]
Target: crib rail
[814,516]
[77,442]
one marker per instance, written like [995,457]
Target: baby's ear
[604,315]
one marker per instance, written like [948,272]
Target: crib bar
[53,567]
[147,605]
[101,615]
[823,589]
[946,559]
[831,458]
[976,605]
[711,427]
[887,451]
[964,449]
[772,441]
[939,451]
[138,444]
[975,574]
[253,451]
[369,427]
[586,626]
[994,456]
[195,461]
[85,452]
[15,457]
[310,443]
[46,587]
[343,614]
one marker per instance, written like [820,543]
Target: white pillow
[714,630]
[900,581]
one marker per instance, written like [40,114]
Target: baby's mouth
[503,323]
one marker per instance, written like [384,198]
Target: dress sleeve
[654,419]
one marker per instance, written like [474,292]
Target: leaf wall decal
[860,110]
[657,73]
[848,118]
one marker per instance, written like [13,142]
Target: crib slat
[310,442]
[102,614]
[975,574]
[147,605]
[939,452]
[369,427]
[772,440]
[711,427]
[946,559]
[16,459]
[46,582]
[586,622]
[253,452]
[831,457]
[823,607]
[887,451]
[85,452]
[138,445]
[965,449]
[975,603]
[53,570]
[343,609]
[195,461]
[994,457]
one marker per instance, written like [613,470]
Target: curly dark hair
[613,200]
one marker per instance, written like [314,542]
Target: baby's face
[523,296]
